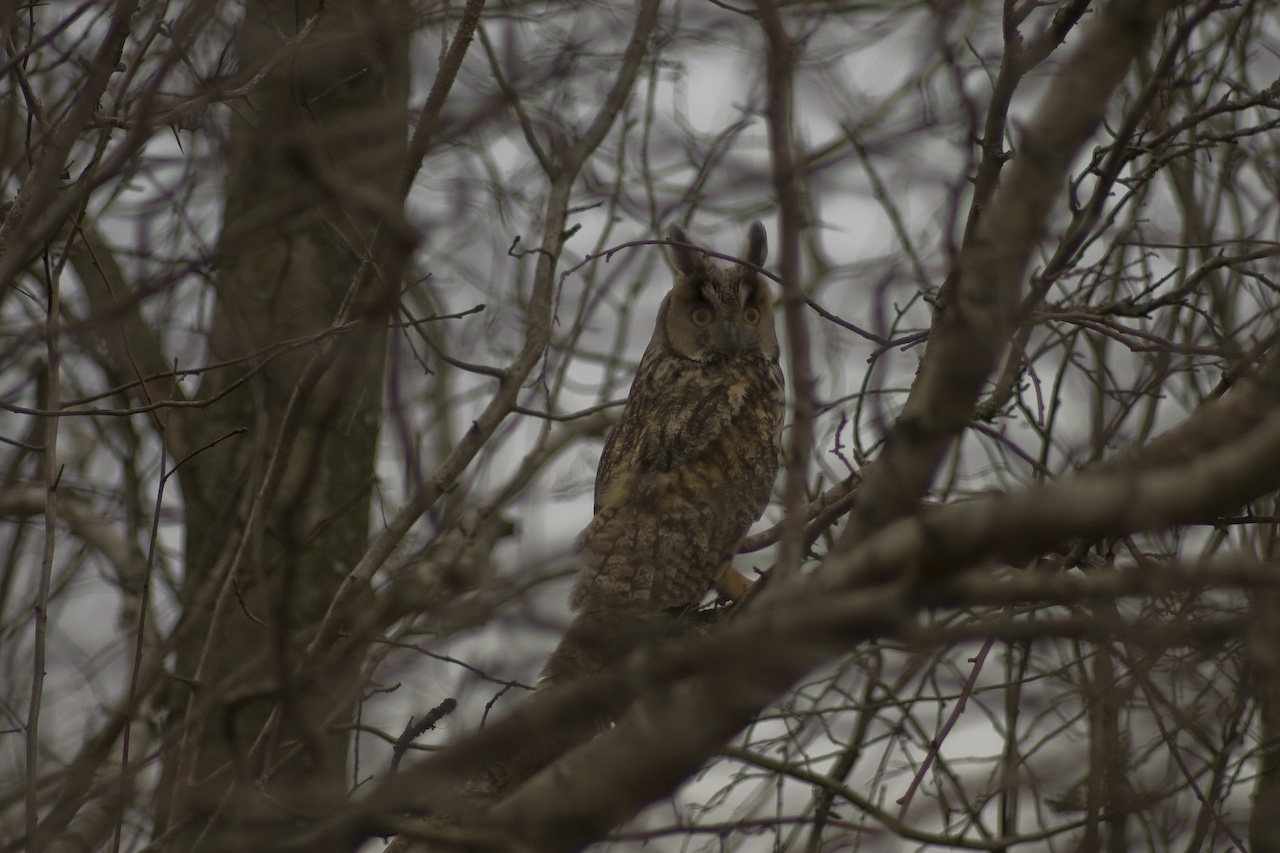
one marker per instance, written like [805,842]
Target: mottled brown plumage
[691,463]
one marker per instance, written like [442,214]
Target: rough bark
[314,157]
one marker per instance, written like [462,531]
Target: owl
[691,463]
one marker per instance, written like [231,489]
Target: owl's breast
[721,450]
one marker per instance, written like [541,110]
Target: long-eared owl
[692,461]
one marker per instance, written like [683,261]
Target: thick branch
[972,328]
[41,182]
[780,60]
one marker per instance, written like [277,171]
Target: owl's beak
[729,339]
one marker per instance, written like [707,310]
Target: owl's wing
[605,472]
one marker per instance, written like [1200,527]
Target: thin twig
[52,472]
[905,800]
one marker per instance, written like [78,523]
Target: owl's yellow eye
[751,316]
[701,316]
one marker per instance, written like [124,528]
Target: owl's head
[716,313]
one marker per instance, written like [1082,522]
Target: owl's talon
[733,584]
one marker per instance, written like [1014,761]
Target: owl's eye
[751,316]
[701,316]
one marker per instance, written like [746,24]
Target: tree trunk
[313,156]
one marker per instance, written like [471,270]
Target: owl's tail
[599,637]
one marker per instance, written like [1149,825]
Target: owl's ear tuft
[687,259]
[756,248]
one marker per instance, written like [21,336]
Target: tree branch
[974,323]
